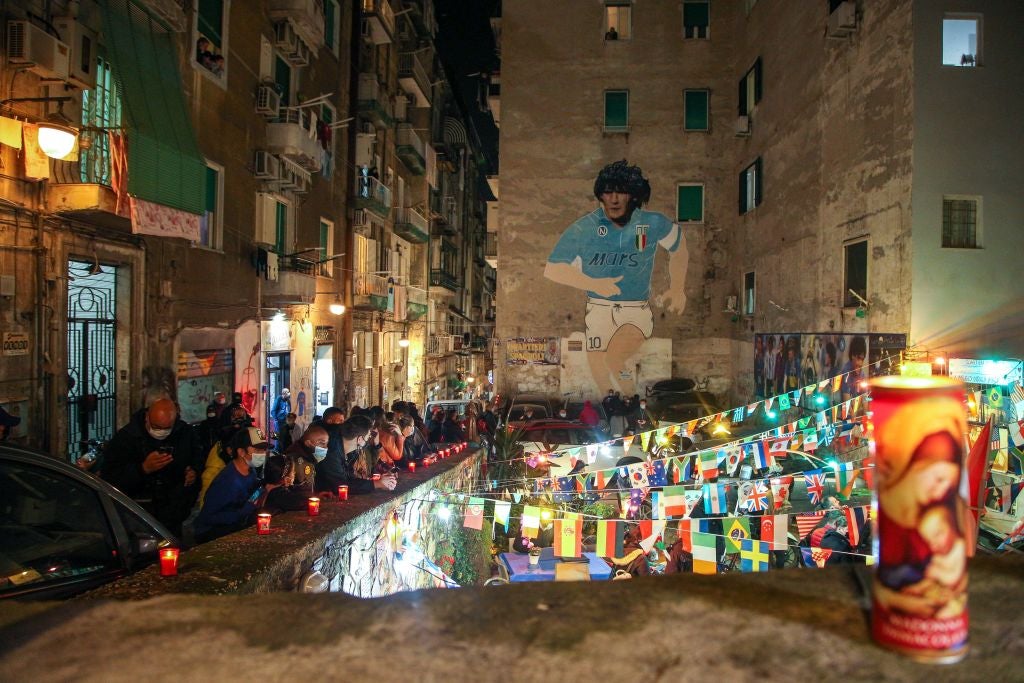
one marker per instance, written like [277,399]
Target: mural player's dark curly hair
[621,177]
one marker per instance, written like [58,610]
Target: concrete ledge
[341,542]
[792,625]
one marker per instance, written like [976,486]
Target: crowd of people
[208,480]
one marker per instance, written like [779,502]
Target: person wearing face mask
[279,493]
[305,453]
[339,465]
[157,459]
[233,419]
[230,504]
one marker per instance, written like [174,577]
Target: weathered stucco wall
[368,546]
[833,129]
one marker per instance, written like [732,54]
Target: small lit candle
[263,523]
[375,476]
[412,467]
[313,507]
[169,562]
[343,492]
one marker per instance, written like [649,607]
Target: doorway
[278,377]
[323,378]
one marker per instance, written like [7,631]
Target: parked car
[543,406]
[678,400]
[547,435]
[64,531]
[455,404]
[517,412]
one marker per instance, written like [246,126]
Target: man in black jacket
[305,454]
[157,459]
[353,435]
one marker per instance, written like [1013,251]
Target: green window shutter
[695,106]
[211,21]
[758,86]
[329,9]
[695,14]
[616,108]
[211,189]
[282,228]
[324,234]
[690,204]
[743,191]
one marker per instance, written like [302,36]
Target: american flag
[806,522]
[815,485]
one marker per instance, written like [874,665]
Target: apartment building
[838,169]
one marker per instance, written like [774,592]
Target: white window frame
[749,303]
[326,269]
[703,203]
[217,229]
[336,48]
[979,49]
[222,80]
[846,296]
[628,35]
[976,198]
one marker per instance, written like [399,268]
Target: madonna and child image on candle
[919,432]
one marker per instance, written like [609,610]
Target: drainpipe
[343,389]
[40,356]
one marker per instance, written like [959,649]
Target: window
[212,221]
[750,186]
[695,110]
[690,203]
[960,221]
[54,530]
[855,273]
[696,17]
[326,268]
[618,21]
[210,36]
[750,89]
[282,213]
[748,293]
[961,40]
[101,108]
[332,26]
[328,115]
[283,79]
[616,110]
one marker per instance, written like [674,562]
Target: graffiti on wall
[786,362]
[610,254]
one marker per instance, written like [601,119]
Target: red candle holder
[263,523]
[375,476]
[343,492]
[313,507]
[412,467]
[169,562]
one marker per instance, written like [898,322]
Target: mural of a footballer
[610,254]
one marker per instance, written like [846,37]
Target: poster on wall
[786,362]
[532,351]
[201,374]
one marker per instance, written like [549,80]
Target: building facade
[805,150]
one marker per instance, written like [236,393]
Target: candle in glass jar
[412,467]
[169,562]
[343,492]
[313,507]
[263,523]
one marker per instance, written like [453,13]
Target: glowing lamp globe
[56,140]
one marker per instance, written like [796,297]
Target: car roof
[553,423]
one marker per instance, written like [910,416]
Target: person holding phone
[157,459]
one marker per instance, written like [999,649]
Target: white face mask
[319,453]
[643,405]
[561,414]
[258,459]
[159,434]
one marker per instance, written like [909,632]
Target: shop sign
[15,344]
[977,371]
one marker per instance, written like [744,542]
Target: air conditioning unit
[83,43]
[285,38]
[268,101]
[364,148]
[29,44]
[843,20]
[266,219]
[742,126]
[266,166]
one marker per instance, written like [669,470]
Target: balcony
[82,189]
[441,344]
[409,148]
[414,78]
[491,249]
[295,284]
[307,17]
[422,14]
[369,292]
[411,225]
[372,194]
[445,280]
[416,304]
[374,103]
[293,136]
[379,21]
[444,212]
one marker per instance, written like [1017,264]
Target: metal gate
[92,324]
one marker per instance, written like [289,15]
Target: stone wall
[371,545]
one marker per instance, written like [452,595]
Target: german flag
[609,537]
[568,537]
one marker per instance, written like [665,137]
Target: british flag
[758,500]
[815,485]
